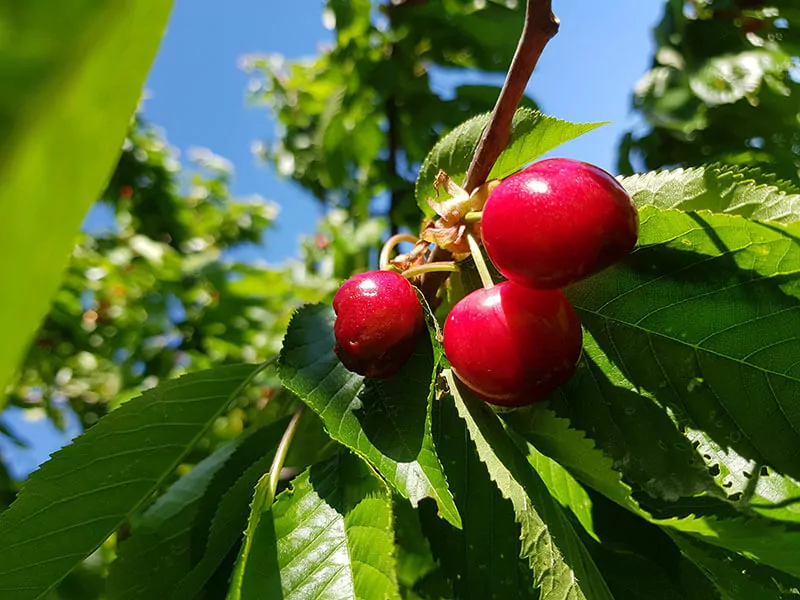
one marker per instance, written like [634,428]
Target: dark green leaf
[705,317]
[71,77]
[149,561]
[736,577]
[414,557]
[533,134]
[231,512]
[560,563]
[87,490]
[766,542]
[483,559]
[256,448]
[385,421]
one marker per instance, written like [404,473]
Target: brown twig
[540,27]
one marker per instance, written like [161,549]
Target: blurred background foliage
[355,122]
[723,88]
[154,287]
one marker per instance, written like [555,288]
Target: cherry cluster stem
[540,26]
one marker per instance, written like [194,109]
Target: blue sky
[197,94]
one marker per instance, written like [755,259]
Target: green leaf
[231,514]
[729,78]
[639,560]
[704,316]
[734,190]
[562,485]
[736,577]
[414,558]
[571,449]
[483,559]
[749,485]
[560,563]
[71,77]
[87,490]
[387,422]
[634,430]
[147,562]
[755,537]
[255,448]
[329,536]
[533,134]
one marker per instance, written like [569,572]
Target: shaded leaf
[255,448]
[533,134]
[87,490]
[414,557]
[385,421]
[560,563]
[158,548]
[736,577]
[231,515]
[482,560]
[71,78]
[766,542]
[329,536]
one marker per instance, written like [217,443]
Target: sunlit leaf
[766,542]
[746,192]
[737,578]
[385,421]
[330,536]
[533,134]
[705,316]
[70,78]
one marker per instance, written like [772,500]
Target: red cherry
[511,344]
[378,322]
[556,222]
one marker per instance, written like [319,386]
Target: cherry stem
[540,27]
[280,456]
[390,245]
[473,217]
[480,262]
[434,267]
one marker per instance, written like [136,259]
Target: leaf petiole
[280,456]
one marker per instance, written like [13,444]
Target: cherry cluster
[514,342]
